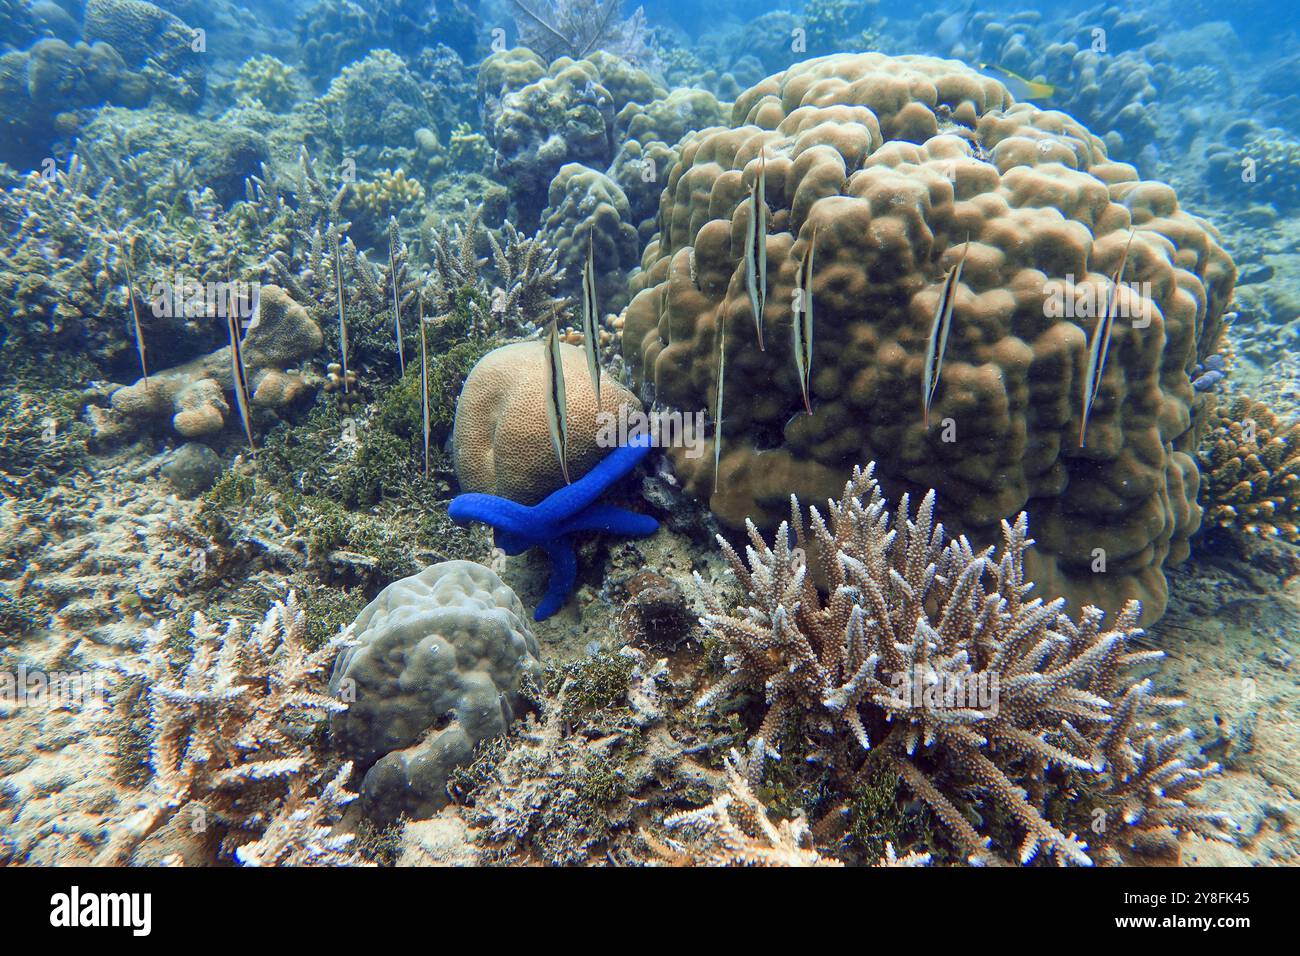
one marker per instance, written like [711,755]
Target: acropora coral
[1250,462]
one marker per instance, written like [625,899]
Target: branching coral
[734,830]
[459,288]
[228,736]
[1250,460]
[932,658]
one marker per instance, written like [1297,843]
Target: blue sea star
[551,524]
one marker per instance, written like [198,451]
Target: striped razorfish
[238,373]
[424,386]
[801,321]
[397,315]
[135,313]
[939,330]
[343,325]
[1100,343]
[557,413]
[756,248]
[591,320]
[717,410]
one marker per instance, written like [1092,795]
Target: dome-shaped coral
[902,165]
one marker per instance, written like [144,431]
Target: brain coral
[896,162]
[500,440]
[441,662]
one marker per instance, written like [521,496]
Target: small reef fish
[1100,343]
[239,374]
[557,414]
[343,325]
[1019,87]
[801,321]
[952,27]
[590,319]
[756,248]
[939,330]
[424,385]
[717,411]
[135,317]
[397,317]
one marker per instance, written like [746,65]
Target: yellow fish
[1017,85]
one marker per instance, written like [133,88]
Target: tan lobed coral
[897,162]
[500,440]
[584,203]
[933,661]
[195,393]
[1251,462]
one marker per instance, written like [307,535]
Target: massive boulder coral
[440,664]
[194,394]
[902,166]
[500,440]
[583,203]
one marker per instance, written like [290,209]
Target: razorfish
[343,326]
[397,316]
[424,385]
[591,320]
[1100,343]
[717,410]
[238,373]
[756,248]
[135,316]
[801,321]
[557,417]
[939,330]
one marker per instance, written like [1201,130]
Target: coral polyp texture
[1251,463]
[901,166]
[500,441]
[932,659]
[439,665]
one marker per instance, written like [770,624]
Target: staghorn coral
[1250,463]
[734,830]
[301,833]
[460,288]
[932,659]
[898,163]
[228,734]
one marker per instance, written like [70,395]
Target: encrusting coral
[932,658]
[228,738]
[194,394]
[901,166]
[1251,471]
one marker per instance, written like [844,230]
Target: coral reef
[933,658]
[577,28]
[148,37]
[1250,463]
[900,164]
[440,663]
[500,441]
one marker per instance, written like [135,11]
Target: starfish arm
[574,498]
[610,520]
[511,543]
[564,575]
[501,513]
